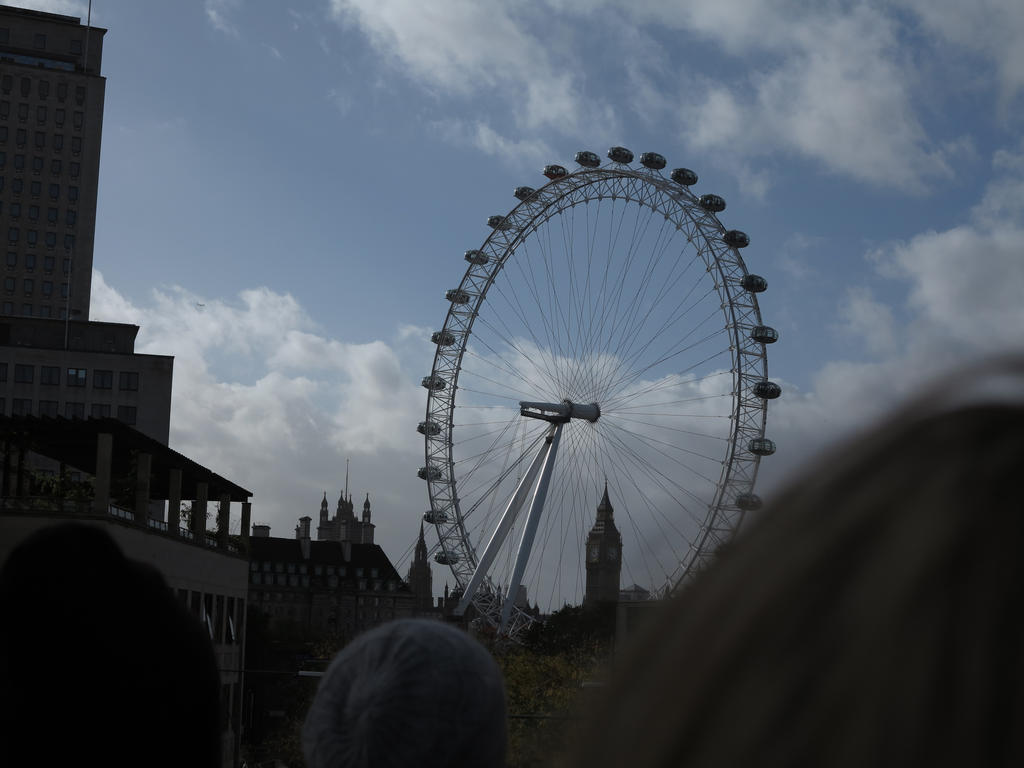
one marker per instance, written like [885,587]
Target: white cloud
[484,138]
[962,295]
[64,7]
[265,398]
[219,13]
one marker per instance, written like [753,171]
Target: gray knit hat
[408,693]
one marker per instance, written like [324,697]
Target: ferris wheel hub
[560,413]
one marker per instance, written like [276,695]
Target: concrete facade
[51,123]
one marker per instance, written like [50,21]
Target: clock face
[593,552]
[613,552]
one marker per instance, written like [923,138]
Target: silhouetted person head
[99,664]
[408,693]
[873,616]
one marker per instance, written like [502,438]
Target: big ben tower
[604,556]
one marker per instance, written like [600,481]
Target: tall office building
[53,361]
[51,120]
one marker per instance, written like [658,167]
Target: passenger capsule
[497,222]
[736,239]
[588,159]
[428,473]
[433,382]
[446,559]
[443,338]
[652,160]
[749,502]
[555,171]
[434,517]
[523,193]
[754,283]
[428,428]
[684,176]
[764,334]
[620,155]
[712,203]
[761,446]
[476,257]
[767,390]
[457,296]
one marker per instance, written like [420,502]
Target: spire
[604,508]
[421,547]
[345,493]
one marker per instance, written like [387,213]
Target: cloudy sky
[287,189]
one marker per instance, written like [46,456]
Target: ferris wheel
[605,337]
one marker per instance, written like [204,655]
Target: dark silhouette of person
[872,616]
[99,663]
[409,693]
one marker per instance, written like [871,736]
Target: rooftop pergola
[109,449]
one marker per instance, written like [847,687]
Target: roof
[73,442]
[366,556]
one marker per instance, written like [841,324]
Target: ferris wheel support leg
[508,518]
[530,529]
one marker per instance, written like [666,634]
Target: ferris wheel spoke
[519,312]
[622,383]
[665,355]
[677,315]
[663,481]
[620,471]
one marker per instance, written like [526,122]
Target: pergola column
[223,520]
[143,464]
[199,513]
[173,501]
[246,520]
[101,483]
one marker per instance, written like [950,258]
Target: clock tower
[604,556]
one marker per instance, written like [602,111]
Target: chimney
[302,534]
[261,531]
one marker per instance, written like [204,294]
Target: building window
[69,242]
[55,167]
[9,284]
[58,141]
[21,406]
[74,410]
[76,377]
[50,374]
[37,164]
[26,309]
[79,95]
[63,290]
[22,112]
[44,88]
[8,308]
[76,145]
[58,117]
[26,87]
[129,381]
[48,264]
[55,191]
[76,120]
[127,413]
[62,91]
[39,41]
[24,374]
[70,217]
[48,408]
[3,373]
[99,411]
[14,210]
[102,379]
[72,193]
[44,311]
[13,234]
[31,236]
[47,287]
[51,240]
[75,170]
[33,212]
[51,213]
[28,286]
[19,162]
[40,115]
